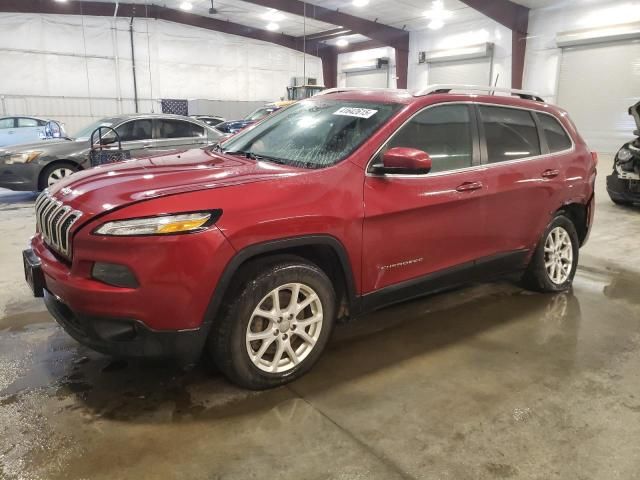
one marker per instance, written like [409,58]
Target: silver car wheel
[284,328]
[58,174]
[558,255]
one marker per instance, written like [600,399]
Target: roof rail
[445,88]
[329,91]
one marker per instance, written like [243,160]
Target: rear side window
[557,138]
[27,122]
[510,133]
[443,132]
[6,123]
[179,129]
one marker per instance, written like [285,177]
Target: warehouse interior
[484,381]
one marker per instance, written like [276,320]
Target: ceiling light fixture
[438,14]
[342,42]
[273,15]
[186,6]
[61,1]
[360,3]
[272,27]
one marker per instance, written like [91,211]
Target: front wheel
[276,328]
[555,260]
[54,173]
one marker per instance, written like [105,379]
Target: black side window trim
[475,127]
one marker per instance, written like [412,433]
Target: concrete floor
[486,382]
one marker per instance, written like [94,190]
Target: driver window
[444,132]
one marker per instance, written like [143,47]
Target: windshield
[85,133]
[312,133]
[260,113]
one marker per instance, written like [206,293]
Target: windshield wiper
[247,154]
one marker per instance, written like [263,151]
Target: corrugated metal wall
[77,69]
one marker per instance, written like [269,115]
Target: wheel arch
[55,162]
[578,213]
[326,251]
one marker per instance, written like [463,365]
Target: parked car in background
[211,120]
[623,185]
[23,129]
[234,126]
[339,205]
[37,166]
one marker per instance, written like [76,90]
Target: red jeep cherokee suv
[335,206]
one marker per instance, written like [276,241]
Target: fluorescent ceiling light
[273,15]
[360,3]
[61,1]
[186,6]
[273,26]
[438,14]
[342,42]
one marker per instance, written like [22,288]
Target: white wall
[364,56]
[457,35]
[542,61]
[76,69]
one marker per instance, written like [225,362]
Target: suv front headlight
[160,225]
[25,157]
[624,155]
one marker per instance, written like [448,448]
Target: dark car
[36,166]
[234,126]
[623,185]
[211,120]
[343,203]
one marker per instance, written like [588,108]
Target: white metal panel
[597,84]
[468,72]
[378,78]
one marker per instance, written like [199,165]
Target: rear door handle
[469,186]
[550,173]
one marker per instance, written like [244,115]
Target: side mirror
[405,161]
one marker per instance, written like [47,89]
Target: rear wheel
[555,260]
[56,172]
[276,328]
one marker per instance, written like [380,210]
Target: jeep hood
[115,185]
[634,111]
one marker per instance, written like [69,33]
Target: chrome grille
[54,221]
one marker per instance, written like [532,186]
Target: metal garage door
[378,78]
[468,72]
[597,85]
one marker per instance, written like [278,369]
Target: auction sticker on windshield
[355,112]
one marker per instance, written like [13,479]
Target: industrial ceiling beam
[516,18]
[128,10]
[391,36]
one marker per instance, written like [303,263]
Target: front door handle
[550,173]
[469,186]
[146,145]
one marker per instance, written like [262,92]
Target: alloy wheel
[558,255]
[284,328]
[58,174]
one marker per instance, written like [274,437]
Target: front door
[137,137]
[416,225]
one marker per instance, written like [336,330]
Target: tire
[624,203]
[280,331]
[542,275]
[59,169]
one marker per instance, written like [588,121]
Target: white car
[18,129]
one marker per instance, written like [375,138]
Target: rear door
[174,134]
[525,183]
[29,130]
[416,225]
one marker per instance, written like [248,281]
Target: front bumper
[124,337]
[19,176]
[623,190]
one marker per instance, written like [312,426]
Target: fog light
[114,274]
